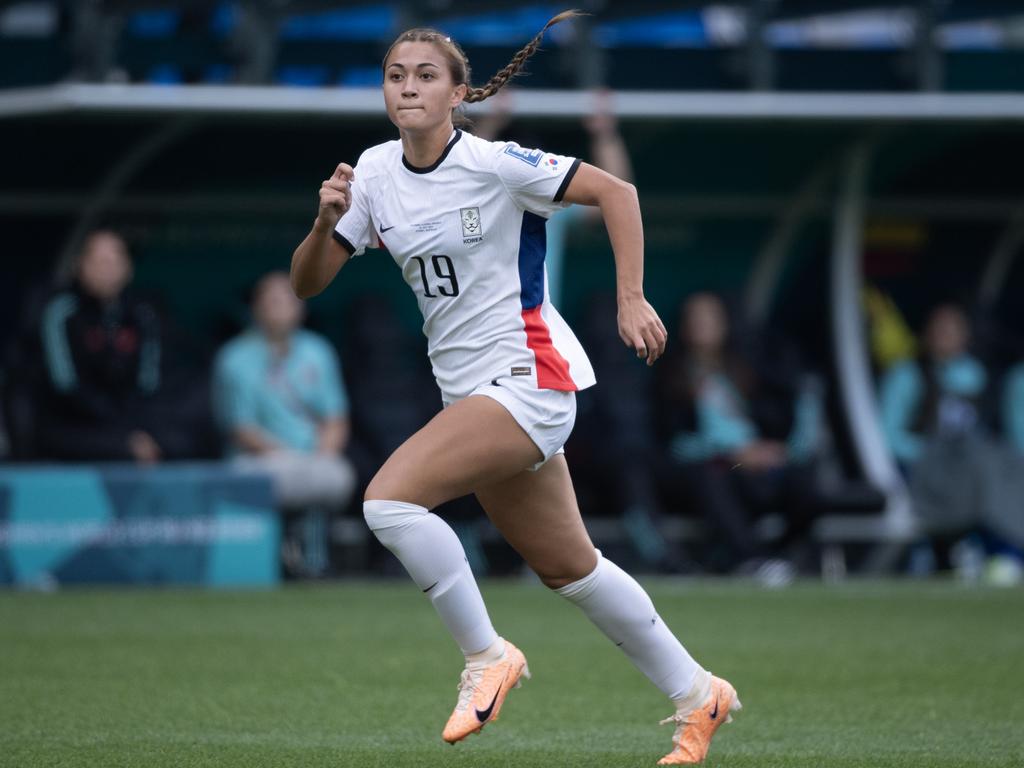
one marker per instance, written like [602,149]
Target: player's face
[418,89]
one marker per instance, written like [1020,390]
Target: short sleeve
[355,229]
[535,179]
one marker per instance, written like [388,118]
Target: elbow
[619,192]
[301,287]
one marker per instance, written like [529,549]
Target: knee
[389,519]
[568,572]
[557,582]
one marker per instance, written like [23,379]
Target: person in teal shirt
[280,400]
[938,394]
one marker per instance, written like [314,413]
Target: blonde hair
[458,64]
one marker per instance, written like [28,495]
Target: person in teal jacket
[931,411]
[740,437]
[939,393]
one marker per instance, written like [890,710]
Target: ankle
[488,655]
[699,692]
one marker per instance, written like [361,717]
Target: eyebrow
[424,64]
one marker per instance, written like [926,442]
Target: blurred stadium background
[832,170]
[788,154]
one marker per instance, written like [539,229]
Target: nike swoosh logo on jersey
[484,715]
[384,229]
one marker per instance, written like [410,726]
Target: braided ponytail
[512,68]
[459,66]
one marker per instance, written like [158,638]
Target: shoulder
[62,304]
[375,160]
[905,374]
[238,352]
[969,374]
[312,343]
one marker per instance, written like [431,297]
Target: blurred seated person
[279,397]
[110,392]
[730,454]
[931,416]
[1013,409]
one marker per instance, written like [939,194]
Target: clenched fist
[336,195]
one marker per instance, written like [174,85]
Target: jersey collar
[433,166]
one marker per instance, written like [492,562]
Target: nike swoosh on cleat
[714,714]
[432,586]
[483,716]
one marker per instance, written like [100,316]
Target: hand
[336,195]
[144,448]
[762,455]
[642,329]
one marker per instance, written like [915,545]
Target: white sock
[621,609]
[432,554]
[487,656]
[698,694]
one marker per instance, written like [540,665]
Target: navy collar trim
[433,166]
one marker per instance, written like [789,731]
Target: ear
[458,94]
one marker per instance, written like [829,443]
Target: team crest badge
[471,226]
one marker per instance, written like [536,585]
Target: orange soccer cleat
[482,692]
[695,729]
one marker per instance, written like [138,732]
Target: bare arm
[253,440]
[333,436]
[319,257]
[639,325]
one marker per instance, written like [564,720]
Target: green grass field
[361,674]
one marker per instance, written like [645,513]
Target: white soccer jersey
[468,235]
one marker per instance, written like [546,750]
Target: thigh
[537,514]
[469,444]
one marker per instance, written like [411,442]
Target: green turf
[362,675]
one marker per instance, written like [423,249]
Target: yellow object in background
[891,337]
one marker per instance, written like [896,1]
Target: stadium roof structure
[333,103]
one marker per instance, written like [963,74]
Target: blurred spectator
[1013,409]
[280,400]
[730,450]
[111,379]
[931,414]
[939,393]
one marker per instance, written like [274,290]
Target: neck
[278,342]
[422,148]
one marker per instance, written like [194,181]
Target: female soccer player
[464,220]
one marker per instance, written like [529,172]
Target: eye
[427,75]
[395,77]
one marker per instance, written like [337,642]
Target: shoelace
[680,721]
[467,687]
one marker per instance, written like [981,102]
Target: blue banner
[196,524]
